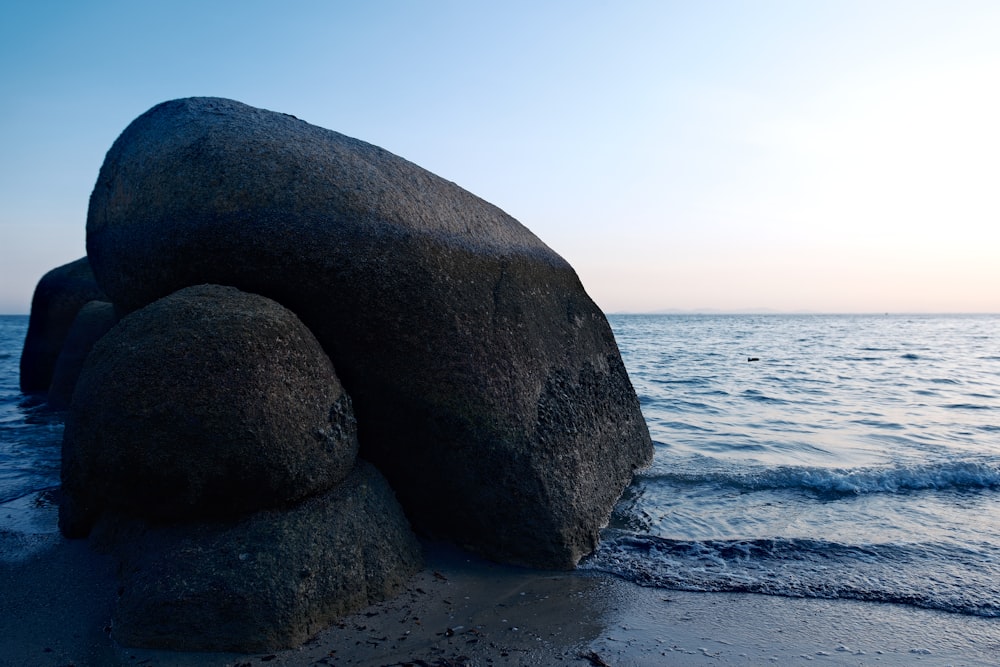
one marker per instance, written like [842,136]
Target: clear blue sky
[789,155]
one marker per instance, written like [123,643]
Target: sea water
[857,457]
[30,434]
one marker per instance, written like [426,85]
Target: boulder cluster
[293,346]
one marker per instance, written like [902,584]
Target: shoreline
[56,598]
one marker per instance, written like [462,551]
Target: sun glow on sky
[828,156]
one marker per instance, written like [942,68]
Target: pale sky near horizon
[822,155]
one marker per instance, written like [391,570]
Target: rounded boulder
[58,297]
[487,385]
[268,580]
[210,402]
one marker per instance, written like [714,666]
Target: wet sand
[56,599]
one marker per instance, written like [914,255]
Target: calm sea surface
[858,457]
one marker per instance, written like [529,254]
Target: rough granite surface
[268,580]
[207,403]
[487,385]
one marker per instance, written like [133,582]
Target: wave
[684,426]
[955,475]
[807,568]
[689,381]
[759,396]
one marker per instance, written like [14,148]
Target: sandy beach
[56,599]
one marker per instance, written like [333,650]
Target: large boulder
[266,581]
[58,297]
[209,402]
[93,321]
[487,385]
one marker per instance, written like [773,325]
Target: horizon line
[747,311]
[771,311]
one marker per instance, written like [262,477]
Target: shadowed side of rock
[93,321]
[58,297]
[269,580]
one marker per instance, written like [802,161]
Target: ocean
[30,434]
[856,457]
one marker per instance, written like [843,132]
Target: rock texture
[93,321]
[207,403]
[269,580]
[58,297]
[487,385]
